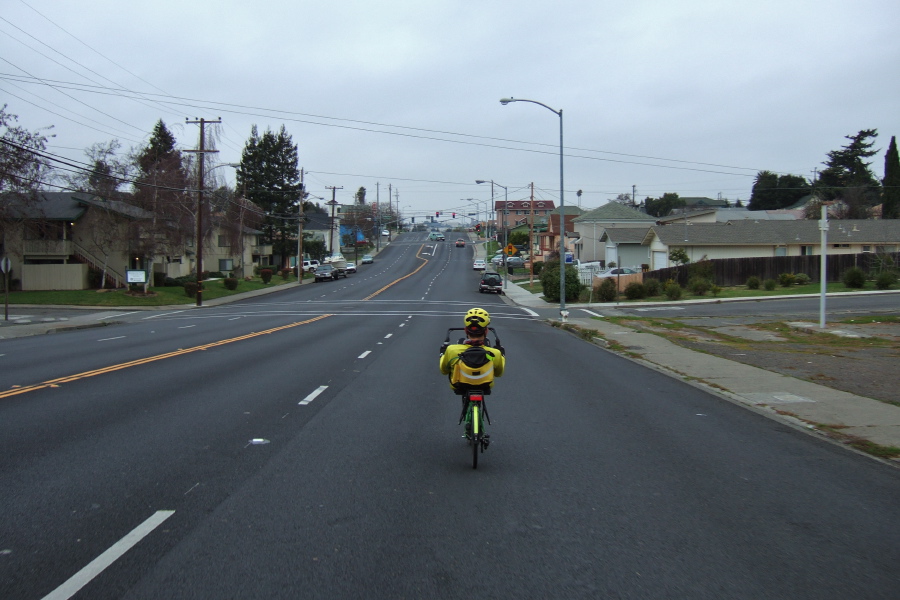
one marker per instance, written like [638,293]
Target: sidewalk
[786,399]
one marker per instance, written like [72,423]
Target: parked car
[511,261]
[479,265]
[385,232]
[490,282]
[324,272]
[460,243]
[310,265]
[616,271]
[367,259]
[351,267]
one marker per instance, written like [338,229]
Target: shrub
[753,282]
[231,283]
[159,279]
[95,278]
[265,275]
[770,284]
[802,279]
[214,275]
[673,291]
[786,279]
[885,280]
[699,285]
[854,277]
[653,287]
[715,290]
[607,291]
[702,269]
[190,288]
[538,267]
[635,291]
[550,282]
[285,273]
[171,282]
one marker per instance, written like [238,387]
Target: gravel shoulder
[864,365]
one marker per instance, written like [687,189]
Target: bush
[538,267]
[885,280]
[702,269]
[787,279]
[265,275]
[190,288]
[550,282]
[653,287]
[699,285]
[635,291]
[673,291]
[854,277]
[753,282]
[285,273]
[607,291]
[715,290]
[770,284]
[802,279]
[214,275]
[231,283]
[95,278]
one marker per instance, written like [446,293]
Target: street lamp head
[505,101]
[480,181]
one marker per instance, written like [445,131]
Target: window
[806,250]
[780,251]
[840,246]
[226,264]
[867,248]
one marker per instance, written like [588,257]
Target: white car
[351,267]
[479,265]
[616,271]
[385,232]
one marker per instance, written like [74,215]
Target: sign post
[6,267]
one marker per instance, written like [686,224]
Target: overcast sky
[688,96]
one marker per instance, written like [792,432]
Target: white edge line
[313,395]
[174,312]
[118,337]
[96,566]
[118,315]
[529,311]
[590,312]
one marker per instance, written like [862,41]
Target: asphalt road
[303,444]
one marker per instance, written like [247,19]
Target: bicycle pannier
[473,367]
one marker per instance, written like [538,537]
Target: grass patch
[868,319]
[162,296]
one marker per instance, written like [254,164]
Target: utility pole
[202,152]
[333,203]
[300,231]
[531,239]
[376,225]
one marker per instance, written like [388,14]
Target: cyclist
[493,359]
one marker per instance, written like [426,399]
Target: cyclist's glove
[444,347]
[502,350]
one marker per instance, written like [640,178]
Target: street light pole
[562,206]
[505,209]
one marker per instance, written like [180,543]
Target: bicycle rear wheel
[476,434]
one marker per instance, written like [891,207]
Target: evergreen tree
[772,191]
[270,177]
[890,208]
[361,196]
[847,169]
[660,207]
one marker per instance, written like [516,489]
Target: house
[511,213]
[723,215]
[590,227]
[549,241]
[53,242]
[745,238]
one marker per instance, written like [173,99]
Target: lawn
[727,292]
[160,296]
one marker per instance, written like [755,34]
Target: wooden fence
[736,271]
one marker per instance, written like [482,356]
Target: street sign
[5,266]
[510,250]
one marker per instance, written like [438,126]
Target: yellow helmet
[477,320]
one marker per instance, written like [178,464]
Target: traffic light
[454,215]
[477,226]
[437,213]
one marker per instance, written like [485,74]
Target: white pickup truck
[310,265]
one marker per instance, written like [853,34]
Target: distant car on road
[460,243]
[367,259]
[490,282]
[479,265]
[385,232]
[351,267]
[616,271]
[324,272]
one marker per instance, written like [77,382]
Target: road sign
[5,266]
[510,250]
